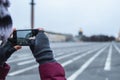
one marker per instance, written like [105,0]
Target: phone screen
[21,37]
[24,34]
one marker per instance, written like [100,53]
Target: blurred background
[84,19]
[84,36]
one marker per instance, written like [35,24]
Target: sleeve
[4,71]
[52,71]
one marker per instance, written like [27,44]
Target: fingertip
[41,29]
[17,47]
[14,29]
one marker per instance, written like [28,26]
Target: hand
[41,49]
[6,51]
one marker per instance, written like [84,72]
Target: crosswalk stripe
[30,57]
[22,70]
[108,60]
[64,56]
[26,62]
[25,58]
[35,66]
[85,65]
[20,59]
[63,52]
[78,57]
[59,58]
[117,48]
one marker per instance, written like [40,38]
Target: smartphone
[21,37]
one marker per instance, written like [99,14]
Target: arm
[52,71]
[49,68]
[4,71]
[5,52]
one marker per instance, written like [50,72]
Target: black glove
[41,49]
[5,52]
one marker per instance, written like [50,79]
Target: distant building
[59,37]
[80,34]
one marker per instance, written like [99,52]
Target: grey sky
[68,16]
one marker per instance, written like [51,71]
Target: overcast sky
[68,16]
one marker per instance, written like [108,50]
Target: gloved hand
[41,49]
[6,51]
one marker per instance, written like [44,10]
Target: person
[49,68]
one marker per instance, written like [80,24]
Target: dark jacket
[48,71]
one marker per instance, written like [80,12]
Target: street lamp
[32,13]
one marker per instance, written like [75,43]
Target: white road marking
[85,65]
[108,60]
[65,51]
[26,62]
[22,70]
[61,53]
[20,59]
[31,61]
[78,57]
[32,67]
[117,48]
[71,54]
[35,66]
[59,58]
